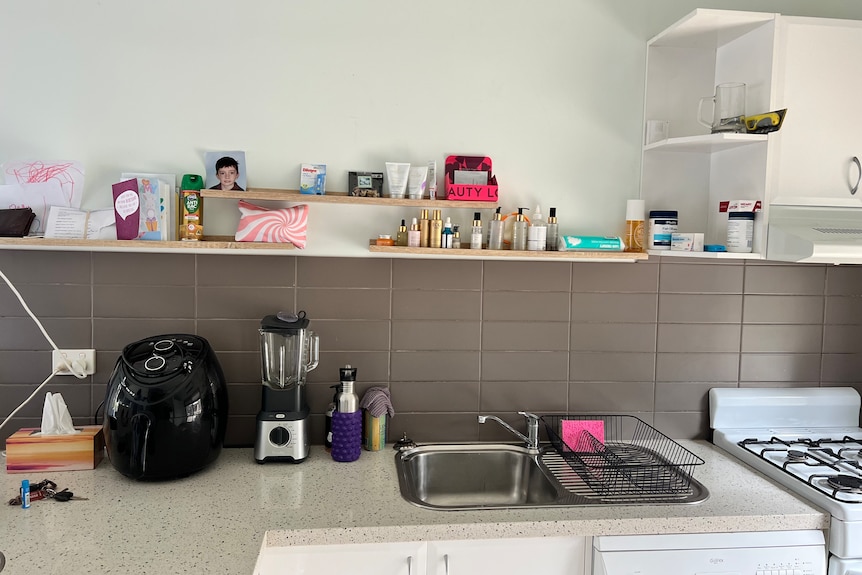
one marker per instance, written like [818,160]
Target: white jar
[740,231]
[662,225]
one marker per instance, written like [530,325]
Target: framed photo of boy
[226,171]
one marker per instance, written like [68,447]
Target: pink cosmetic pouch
[284,225]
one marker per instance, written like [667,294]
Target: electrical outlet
[87,357]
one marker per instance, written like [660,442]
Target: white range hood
[820,230]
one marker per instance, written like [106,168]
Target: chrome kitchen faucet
[531,440]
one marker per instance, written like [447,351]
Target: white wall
[551,90]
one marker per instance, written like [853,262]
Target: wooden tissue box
[29,453]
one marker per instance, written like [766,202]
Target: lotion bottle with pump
[446,235]
[537,234]
[414,235]
[435,230]
[424,230]
[476,233]
[495,232]
[456,238]
[553,232]
[519,231]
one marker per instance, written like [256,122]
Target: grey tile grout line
[741,325]
[823,326]
[569,355]
[655,339]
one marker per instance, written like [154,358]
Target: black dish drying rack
[632,459]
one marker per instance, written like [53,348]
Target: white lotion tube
[396,178]
[416,182]
[432,180]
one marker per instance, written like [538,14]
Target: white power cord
[76,368]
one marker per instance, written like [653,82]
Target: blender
[288,351]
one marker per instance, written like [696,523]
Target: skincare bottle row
[430,231]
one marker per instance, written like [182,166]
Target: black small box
[365,184]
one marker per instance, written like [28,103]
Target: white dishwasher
[766,553]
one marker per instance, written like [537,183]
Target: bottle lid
[537,213]
[663,214]
[424,214]
[347,373]
[635,210]
[552,213]
[497,214]
[477,216]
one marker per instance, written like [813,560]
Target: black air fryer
[165,408]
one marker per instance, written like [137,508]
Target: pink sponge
[574,433]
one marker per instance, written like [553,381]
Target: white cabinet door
[358,559]
[545,555]
[818,81]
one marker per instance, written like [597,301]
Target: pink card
[127,209]
[575,433]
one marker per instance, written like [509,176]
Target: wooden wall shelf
[211,243]
[525,255]
[341,198]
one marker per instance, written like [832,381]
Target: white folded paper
[56,419]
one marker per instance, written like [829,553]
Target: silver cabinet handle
[859,178]
[446,562]
[409,565]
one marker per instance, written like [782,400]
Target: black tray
[632,458]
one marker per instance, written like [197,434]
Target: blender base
[281,437]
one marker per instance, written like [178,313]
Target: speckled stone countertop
[215,521]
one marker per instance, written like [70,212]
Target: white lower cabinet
[355,559]
[546,555]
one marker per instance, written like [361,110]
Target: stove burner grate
[846,483]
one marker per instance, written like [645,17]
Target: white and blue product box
[680,242]
[312,179]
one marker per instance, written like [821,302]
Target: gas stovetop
[829,464]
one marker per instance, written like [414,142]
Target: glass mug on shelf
[728,108]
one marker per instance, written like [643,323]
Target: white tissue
[56,419]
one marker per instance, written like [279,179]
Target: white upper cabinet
[805,65]
[817,79]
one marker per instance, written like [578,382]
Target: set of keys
[47,489]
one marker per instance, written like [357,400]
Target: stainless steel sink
[499,476]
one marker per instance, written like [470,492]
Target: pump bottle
[424,229]
[347,419]
[551,244]
[537,233]
[519,231]
[435,230]
[495,232]
[476,234]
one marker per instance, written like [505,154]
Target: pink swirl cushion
[285,225]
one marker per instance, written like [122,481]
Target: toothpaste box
[312,179]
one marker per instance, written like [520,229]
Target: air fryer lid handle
[163,355]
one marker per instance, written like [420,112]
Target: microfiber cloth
[576,432]
[377,401]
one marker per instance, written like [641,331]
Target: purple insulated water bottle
[347,419]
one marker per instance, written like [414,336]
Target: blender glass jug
[288,350]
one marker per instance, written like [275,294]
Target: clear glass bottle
[537,233]
[456,238]
[495,232]
[519,231]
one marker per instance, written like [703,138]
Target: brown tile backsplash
[450,338]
